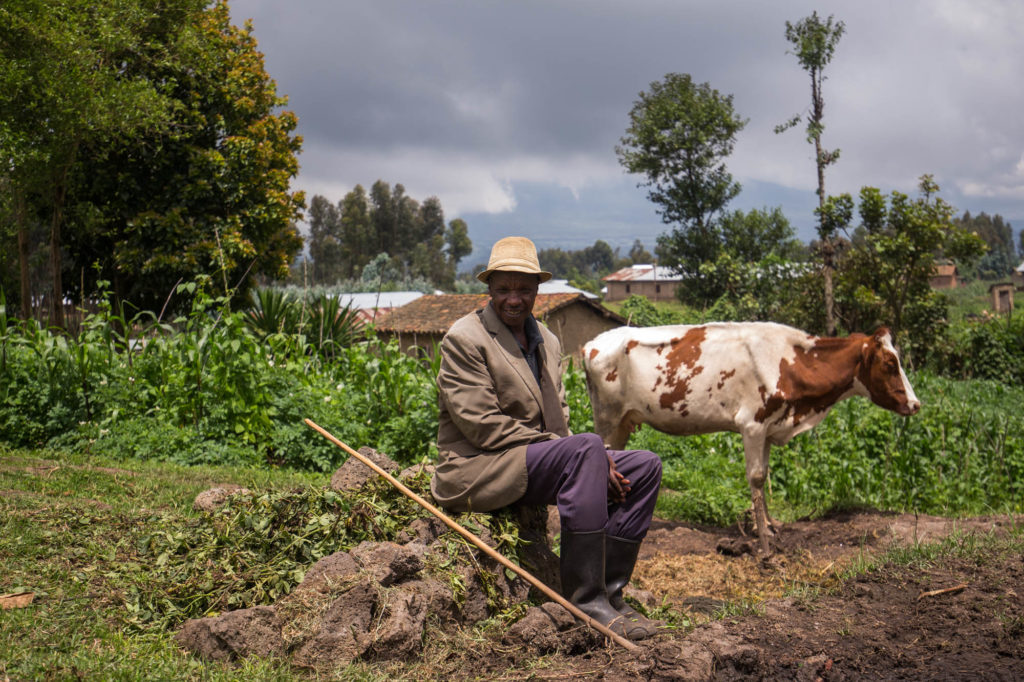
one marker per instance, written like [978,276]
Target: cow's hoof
[735,546]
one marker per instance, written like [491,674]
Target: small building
[1002,297]
[945,276]
[656,282]
[1017,276]
[572,317]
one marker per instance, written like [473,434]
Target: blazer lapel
[513,354]
[544,393]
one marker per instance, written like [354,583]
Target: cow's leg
[613,433]
[755,449]
[617,437]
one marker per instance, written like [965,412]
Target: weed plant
[210,387]
[257,547]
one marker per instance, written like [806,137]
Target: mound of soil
[961,617]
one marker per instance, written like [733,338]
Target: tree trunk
[827,247]
[25,278]
[57,301]
[828,256]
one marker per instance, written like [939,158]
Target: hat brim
[486,274]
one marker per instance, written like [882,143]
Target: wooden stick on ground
[947,590]
[484,547]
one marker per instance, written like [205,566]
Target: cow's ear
[881,333]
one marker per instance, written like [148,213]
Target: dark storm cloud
[479,101]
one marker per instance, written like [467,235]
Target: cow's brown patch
[813,381]
[724,376]
[633,343]
[612,375]
[593,353]
[683,353]
[660,348]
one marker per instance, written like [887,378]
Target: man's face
[512,295]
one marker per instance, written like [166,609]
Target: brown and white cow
[765,381]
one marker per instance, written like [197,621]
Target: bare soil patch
[882,625]
[960,616]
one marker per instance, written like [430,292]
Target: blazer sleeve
[466,387]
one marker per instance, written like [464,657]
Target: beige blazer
[491,408]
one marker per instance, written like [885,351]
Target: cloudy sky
[509,111]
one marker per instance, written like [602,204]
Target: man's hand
[618,485]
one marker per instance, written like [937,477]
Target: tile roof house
[656,282]
[572,317]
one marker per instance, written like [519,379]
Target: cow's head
[883,375]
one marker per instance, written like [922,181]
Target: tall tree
[325,241]
[458,244]
[638,254]
[814,43]
[382,210]
[357,233]
[1001,257]
[67,84]
[208,196]
[679,136]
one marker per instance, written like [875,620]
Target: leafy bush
[988,348]
[205,388]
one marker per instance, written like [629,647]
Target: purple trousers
[572,473]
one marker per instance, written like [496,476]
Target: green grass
[975,547]
[117,558]
[68,525]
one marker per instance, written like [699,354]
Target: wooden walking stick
[484,547]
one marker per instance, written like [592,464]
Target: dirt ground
[949,619]
[883,625]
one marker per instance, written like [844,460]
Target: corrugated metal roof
[643,273]
[561,286]
[379,300]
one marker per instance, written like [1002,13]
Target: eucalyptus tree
[814,43]
[326,248]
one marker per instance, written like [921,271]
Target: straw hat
[517,254]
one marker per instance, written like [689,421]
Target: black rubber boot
[620,558]
[582,571]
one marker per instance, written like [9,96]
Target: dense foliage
[1001,257]
[148,138]
[207,388]
[347,237]
[218,386]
